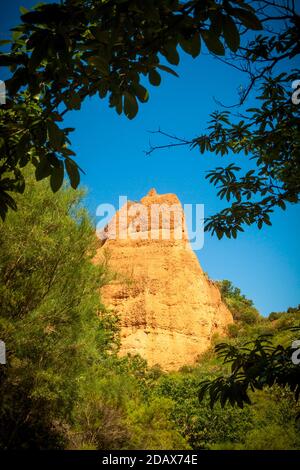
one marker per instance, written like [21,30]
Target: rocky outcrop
[168,308]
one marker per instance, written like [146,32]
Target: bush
[52,320]
[272,437]
[233,330]
[242,309]
[291,314]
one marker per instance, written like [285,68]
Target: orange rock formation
[168,308]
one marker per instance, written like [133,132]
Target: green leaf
[281,204]
[231,33]
[43,169]
[154,77]
[119,104]
[248,18]
[37,56]
[267,221]
[19,79]
[213,43]
[10,59]
[74,102]
[191,46]
[54,161]
[23,10]
[141,92]
[99,34]
[219,233]
[100,63]
[6,201]
[170,53]
[57,178]
[44,14]
[130,105]
[165,68]
[56,135]
[102,89]
[16,34]
[216,23]
[73,172]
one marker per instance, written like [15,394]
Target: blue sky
[110,149]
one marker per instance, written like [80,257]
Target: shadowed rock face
[168,308]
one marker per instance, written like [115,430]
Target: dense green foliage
[256,365]
[270,422]
[272,419]
[242,309]
[49,305]
[260,355]
[64,386]
[292,313]
[258,361]
[63,52]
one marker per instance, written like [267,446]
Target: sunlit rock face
[168,308]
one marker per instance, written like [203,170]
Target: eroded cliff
[168,308]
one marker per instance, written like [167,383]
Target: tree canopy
[242,309]
[63,386]
[51,320]
[266,136]
[62,53]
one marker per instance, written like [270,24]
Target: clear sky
[110,149]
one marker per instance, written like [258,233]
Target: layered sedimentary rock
[168,308]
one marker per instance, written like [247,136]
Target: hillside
[64,384]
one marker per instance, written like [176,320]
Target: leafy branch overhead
[257,365]
[264,139]
[62,53]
